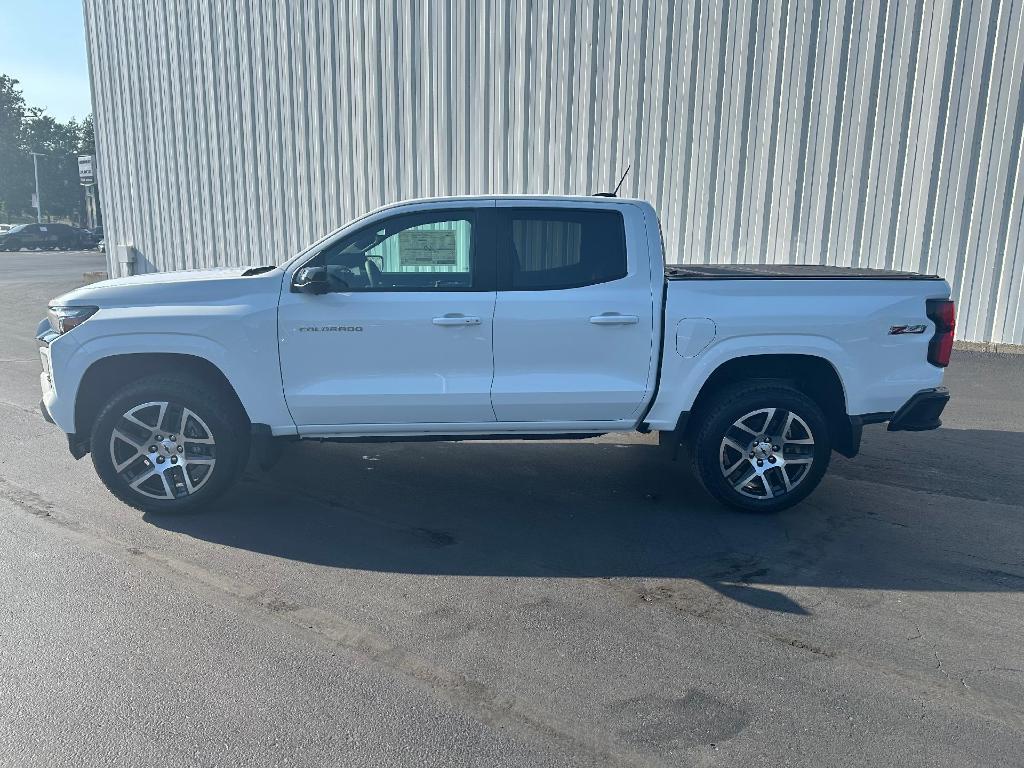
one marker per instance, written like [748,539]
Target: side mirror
[311,280]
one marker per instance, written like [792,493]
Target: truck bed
[785,272]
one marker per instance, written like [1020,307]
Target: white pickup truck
[493,317]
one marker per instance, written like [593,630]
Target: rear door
[574,323]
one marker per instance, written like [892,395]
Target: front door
[404,334]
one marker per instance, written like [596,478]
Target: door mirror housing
[311,280]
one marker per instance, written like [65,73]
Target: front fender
[255,377]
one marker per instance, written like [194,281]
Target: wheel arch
[813,375]
[112,372]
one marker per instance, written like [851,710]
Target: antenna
[617,186]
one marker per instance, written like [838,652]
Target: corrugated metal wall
[875,132]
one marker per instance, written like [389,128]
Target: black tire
[217,413]
[778,482]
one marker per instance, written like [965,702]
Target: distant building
[819,131]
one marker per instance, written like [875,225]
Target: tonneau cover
[785,272]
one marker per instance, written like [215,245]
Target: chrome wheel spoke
[145,477]
[787,431]
[130,416]
[122,466]
[738,485]
[168,493]
[768,492]
[186,415]
[785,479]
[787,426]
[729,470]
[735,446]
[119,435]
[740,425]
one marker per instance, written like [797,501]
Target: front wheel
[169,444]
[761,446]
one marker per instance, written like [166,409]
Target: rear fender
[682,378]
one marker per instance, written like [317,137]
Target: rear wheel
[167,444]
[761,446]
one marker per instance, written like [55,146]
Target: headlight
[63,319]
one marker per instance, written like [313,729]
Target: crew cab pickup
[493,317]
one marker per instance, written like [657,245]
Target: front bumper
[921,412]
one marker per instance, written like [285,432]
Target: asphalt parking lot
[577,603]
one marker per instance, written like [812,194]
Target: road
[528,604]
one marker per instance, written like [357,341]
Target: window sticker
[427,248]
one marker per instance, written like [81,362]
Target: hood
[187,286]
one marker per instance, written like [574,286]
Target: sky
[42,44]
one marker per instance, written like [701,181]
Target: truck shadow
[894,518]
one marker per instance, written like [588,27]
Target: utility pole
[39,201]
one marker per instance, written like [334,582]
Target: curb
[94,277]
[993,347]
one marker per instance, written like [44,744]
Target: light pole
[39,201]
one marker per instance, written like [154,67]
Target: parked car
[485,317]
[5,228]
[42,237]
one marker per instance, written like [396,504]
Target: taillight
[942,312]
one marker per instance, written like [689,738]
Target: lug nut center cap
[762,450]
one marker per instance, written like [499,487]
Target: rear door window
[558,248]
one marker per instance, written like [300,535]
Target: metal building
[854,132]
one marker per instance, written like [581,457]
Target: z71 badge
[899,330]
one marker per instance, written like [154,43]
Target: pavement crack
[938,665]
[19,407]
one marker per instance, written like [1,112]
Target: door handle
[614,318]
[456,319]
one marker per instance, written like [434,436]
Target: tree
[58,170]
[15,167]
[24,130]
[87,137]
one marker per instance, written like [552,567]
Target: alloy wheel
[163,450]
[767,453]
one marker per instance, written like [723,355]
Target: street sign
[35,200]
[85,175]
